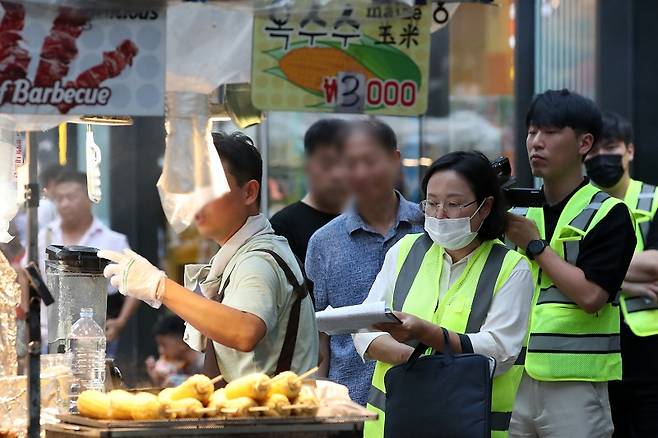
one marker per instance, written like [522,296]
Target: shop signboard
[56,60]
[355,58]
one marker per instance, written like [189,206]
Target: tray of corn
[285,398]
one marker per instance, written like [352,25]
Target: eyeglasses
[450,208]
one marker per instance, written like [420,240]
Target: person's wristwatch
[535,247]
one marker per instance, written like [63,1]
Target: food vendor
[253,313]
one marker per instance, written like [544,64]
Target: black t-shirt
[297,223]
[606,252]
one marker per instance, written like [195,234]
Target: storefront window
[565,45]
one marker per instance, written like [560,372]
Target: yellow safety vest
[641,198]
[566,343]
[462,309]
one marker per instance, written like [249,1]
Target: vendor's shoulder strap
[300,291]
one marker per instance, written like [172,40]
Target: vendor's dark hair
[243,159]
[476,169]
[323,133]
[378,130]
[170,325]
[564,108]
[50,174]
[616,128]
[72,175]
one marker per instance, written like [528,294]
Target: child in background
[177,361]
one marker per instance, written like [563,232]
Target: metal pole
[34,317]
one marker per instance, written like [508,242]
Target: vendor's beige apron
[210,365]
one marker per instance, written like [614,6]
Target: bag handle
[422,348]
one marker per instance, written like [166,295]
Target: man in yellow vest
[581,243]
[634,400]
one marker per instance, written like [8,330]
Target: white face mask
[452,234]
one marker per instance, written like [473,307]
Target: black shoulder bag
[442,395]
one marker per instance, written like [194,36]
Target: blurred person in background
[47,211]
[47,208]
[176,361]
[344,256]
[326,187]
[77,225]
[634,399]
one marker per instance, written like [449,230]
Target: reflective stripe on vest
[638,304]
[553,295]
[563,343]
[409,269]
[581,222]
[482,296]
[644,203]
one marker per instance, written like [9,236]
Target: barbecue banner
[345,57]
[59,60]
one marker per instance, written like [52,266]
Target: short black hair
[378,130]
[476,169]
[169,325]
[564,108]
[50,174]
[72,175]
[324,132]
[616,128]
[237,151]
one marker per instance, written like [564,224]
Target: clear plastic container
[74,275]
[86,346]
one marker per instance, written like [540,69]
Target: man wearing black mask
[634,399]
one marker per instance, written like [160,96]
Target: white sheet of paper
[352,319]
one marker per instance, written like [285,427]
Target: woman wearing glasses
[456,276]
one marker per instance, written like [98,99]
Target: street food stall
[101,62]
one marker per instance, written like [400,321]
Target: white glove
[134,276]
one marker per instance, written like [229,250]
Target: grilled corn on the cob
[255,386]
[94,404]
[185,408]
[121,404]
[197,386]
[218,400]
[147,407]
[276,403]
[239,407]
[308,402]
[286,383]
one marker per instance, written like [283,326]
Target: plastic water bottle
[86,346]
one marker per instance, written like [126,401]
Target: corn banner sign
[350,58]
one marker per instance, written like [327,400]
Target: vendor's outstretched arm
[221,323]
[135,276]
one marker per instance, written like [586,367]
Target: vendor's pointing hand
[134,276]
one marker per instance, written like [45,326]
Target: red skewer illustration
[59,47]
[14,59]
[113,64]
